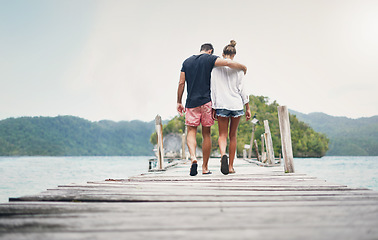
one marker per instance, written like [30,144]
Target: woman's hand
[248,114]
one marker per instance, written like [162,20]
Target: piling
[269,143]
[287,150]
[160,149]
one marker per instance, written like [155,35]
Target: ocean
[21,176]
[350,171]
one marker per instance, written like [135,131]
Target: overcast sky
[121,60]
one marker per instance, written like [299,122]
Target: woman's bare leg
[206,148]
[233,141]
[223,134]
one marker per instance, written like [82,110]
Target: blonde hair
[230,48]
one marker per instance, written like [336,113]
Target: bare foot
[193,168]
[205,169]
[224,165]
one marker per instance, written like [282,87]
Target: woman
[228,99]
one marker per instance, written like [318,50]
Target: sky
[121,60]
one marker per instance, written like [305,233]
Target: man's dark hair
[206,47]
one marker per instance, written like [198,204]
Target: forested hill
[73,136]
[348,137]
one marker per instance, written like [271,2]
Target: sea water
[358,172]
[20,176]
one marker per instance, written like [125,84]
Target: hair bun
[232,43]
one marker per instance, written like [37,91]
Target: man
[196,72]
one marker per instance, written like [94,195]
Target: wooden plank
[181,220]
[209,191]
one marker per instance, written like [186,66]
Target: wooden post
[287,150]
[262,148]
[250,144]
[265,156]
[160,149]
[269,143]
[183,144]
[257,150]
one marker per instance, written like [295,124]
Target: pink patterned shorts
[197,115]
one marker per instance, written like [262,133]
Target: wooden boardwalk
[255,203]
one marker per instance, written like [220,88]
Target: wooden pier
[255,203]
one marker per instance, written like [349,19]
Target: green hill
[73,136]
[306,142]
[348,137]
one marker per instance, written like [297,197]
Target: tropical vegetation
[306,142]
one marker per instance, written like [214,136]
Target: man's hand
[180,109]
[229,63]
[244,69]
[214,114]
[180,90]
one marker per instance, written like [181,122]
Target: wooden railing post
[257,150]
[183,144]
[269,144]
[251,142]
[287,150]
[263,155]
[160,149]
[266,157]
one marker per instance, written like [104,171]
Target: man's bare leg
[206,148]
[192,143]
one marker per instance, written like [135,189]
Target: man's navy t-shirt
[197,70]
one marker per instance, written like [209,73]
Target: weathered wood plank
[138,220]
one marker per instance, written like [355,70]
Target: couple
[214,91]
